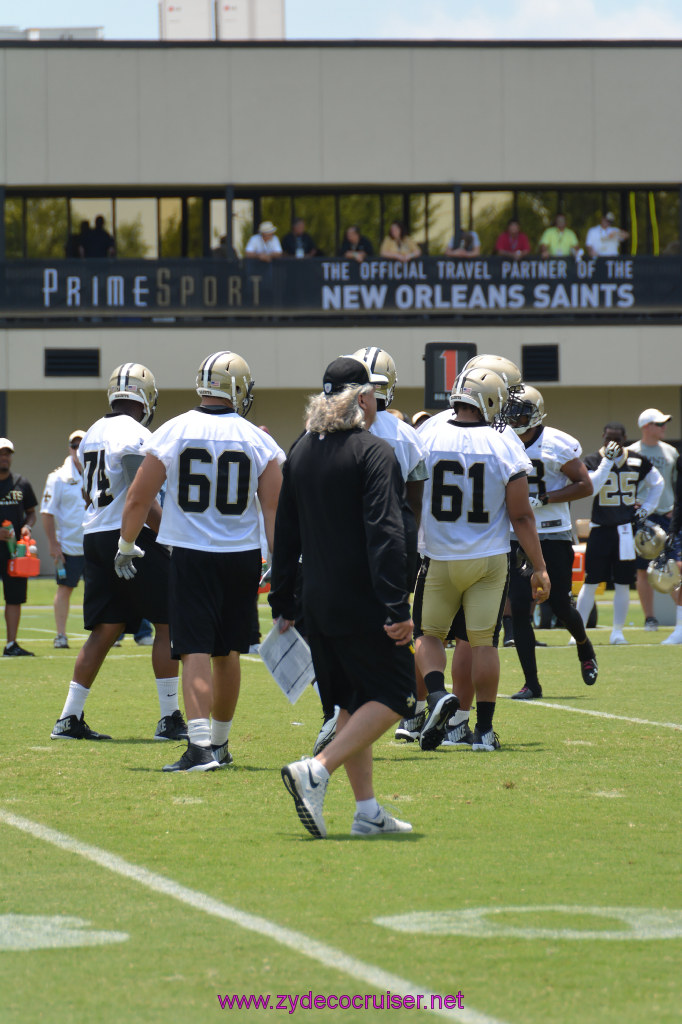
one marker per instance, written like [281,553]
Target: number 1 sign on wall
[444,361]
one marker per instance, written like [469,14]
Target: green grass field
[577,811]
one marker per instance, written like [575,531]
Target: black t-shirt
[291,243]
[340,507]
[16,498]
[615,502]
[363,245]
[97,243]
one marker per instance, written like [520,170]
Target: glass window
[392,210]
[440,222]
[583,210]
[170,228]
[417,226]
[488,215]
[363,210]
[218,228]
[278,209]
[535,210]
[14,228]
[47,228]
[136,229]
[88,210]
[666,207]
[319,213]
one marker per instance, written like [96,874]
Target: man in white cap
[61,511]
[18,508]
[653,423]
[605,237]
[264,245]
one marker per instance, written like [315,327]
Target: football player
[215,463]
[558,478]
[477,486]
[110,454]
[617,474]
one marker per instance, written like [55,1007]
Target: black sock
[485,709]
[508,627]
[434,681]
[585,649]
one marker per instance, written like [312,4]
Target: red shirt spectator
[512,242]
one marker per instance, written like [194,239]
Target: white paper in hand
[287,658]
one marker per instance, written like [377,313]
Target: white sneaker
[617,637]
[384,823]
[571,641]
[308,795]
[675,637]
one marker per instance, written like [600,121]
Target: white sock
[75,700]
[585,600]
[220,732]
[678,612]
[199,731]
[318,769]
[368,807]
[458,717]
[621,603]
[419,707]
[168,695]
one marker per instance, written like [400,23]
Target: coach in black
[17,507]
[340,508]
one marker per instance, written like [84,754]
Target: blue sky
[388,19]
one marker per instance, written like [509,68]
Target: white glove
[613,451]
[123,563]
[641,514]
[535,502]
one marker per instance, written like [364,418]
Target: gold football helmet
[484,389]
[663,574]
[526,401]
[134,382]
[650,540]
[508,371]
[227,375]
[377,360]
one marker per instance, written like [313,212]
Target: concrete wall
[335,115]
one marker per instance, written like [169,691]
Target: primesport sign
[444,361]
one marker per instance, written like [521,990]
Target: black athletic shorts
[352,670]
[212,597]
[558,555]
[75,567]
[110,599]
[602,558]
[15,588]
[458,629]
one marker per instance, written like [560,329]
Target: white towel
[626,543]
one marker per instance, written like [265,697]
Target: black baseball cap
[346,370]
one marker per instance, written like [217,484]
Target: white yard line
[541,703]
[302,944]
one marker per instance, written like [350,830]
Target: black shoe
[459,736]
[511,642]
[589,671]
[442,706]
[485,741]
[171,727]
[527,694]
[539,643]
[410,728]
[13,650]
[195,759]
[74,728]
[222,755]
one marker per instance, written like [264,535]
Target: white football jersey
[551,450]
[403,439]
[100,454]
[464,513]
[63,499]
[213,460]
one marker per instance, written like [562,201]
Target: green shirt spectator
[559,240]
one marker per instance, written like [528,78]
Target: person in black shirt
[97,243]
[617,475]
[340,508]
[18,506]
[355,246]
[297,242]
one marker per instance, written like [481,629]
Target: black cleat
[13,650]
[171,727]
[442,706]
[409,728]
[589,671]
[527,694]
[485,741]
[74,728]
[222,755]
[195,759]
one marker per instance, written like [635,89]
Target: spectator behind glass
[354,245]
[512,242]
[466,246]
[399,246]
[604,238]
[264,245]
[298,242]
[97,243]
[559,240]
[72,249]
